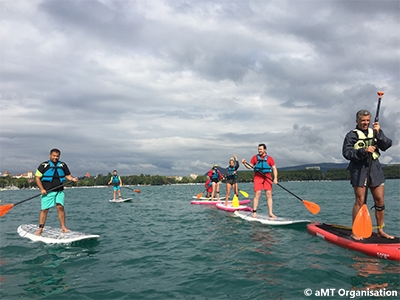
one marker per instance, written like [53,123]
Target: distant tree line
[391,172]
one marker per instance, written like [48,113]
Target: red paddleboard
[341,236]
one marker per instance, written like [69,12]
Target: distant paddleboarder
[50,175]
[232,178]
[117,183]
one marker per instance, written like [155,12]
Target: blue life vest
[262,166]
[50,172]
[215,174]
[230,172]
[115,180]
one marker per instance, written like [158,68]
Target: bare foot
[65,230]
[356,238]
[255,215]
[39,232]
[272,216]
[381,233]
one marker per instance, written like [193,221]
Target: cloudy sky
[172,87]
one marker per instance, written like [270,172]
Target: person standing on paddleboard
[50,175]
[117,183]
[357,146]
[231,178]
[215,176]
[263,165]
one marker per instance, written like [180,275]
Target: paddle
[235,201]
[311,206]
[136,191]
[198,196]
[7,207]
[362,225]
[245,194]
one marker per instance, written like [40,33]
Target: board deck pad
[345,232]
[265,219]
[52,235]
[120,200]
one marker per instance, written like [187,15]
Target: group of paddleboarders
[361,147]
[262,164]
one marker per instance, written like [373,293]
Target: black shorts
[231,181]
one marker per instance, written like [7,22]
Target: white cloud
[171,87]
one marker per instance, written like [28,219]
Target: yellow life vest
[366,141]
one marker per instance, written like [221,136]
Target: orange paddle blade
[199,195]
[362,225]
[5,209]
[311,206]
[137,191]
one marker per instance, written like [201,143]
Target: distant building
[6,173]
[313,168]
[193,176]
[28,175]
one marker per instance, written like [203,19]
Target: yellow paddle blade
[311,206]
[362,225]
[245,194]
[235,201]
[5,209]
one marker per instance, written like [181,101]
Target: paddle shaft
[370,154]
[50,190]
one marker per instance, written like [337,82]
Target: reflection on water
[373,274]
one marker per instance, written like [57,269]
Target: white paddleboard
[209,199]
[52,235]
[265,219]
[120,200]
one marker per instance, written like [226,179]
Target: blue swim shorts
[52,198]
[117,187]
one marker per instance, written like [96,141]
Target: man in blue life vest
[357,146]
[232,178]
[117,183]
[51,175]
[263,166]
[215,176]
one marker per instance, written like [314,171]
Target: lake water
[159,246]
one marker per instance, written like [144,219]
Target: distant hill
[323,167]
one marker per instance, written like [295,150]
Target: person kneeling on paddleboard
[50,175]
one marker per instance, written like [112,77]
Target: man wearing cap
[215,176]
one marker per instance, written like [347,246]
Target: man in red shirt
[263,166]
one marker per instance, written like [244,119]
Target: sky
[172,87]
